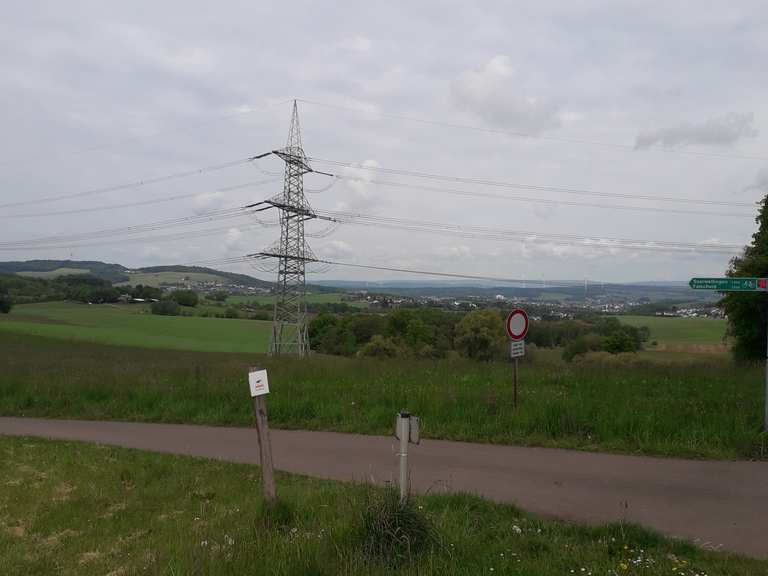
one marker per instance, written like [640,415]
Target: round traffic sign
[517,324]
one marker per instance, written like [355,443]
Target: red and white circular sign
[517,324]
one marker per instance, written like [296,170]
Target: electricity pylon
[289,327]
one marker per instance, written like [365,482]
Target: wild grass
[710,409]
[83,509]
[674,330]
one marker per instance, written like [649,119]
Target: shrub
[166,308]
[582,345]
[381,347]
[5,303]
[231,312]
[185,297]
[480,335]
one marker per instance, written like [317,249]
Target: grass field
[80,509]
[54,273]
[130,325]
[708,331]
[320,298]
[705,408]
[167,278]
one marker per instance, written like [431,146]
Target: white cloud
[494,92]
[356,44]
[760,183]
[233,240]
[207,201]
[360,191]
[721,130]
[335,249]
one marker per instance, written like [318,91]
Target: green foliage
[166,308]
[582,345]
[185,297]
[381,347]
[747,312]
[146,292]
[231,312]
[480,335]
[391,531]
[5,301]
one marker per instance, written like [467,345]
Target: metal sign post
[516,326]
[407,431]
[739,284]
[259,385]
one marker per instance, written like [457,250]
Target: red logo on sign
[761,283]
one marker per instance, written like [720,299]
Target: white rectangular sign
[517,348]
[259,383]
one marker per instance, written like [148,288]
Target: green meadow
[133,325]
[705,407]
[84,509]
[673,330]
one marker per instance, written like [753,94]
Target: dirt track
[716,504]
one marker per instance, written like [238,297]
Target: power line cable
[557,189]
[139,202]
[532,136]
[131,185]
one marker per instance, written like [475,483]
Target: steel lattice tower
[289,328]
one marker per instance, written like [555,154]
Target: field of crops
[132,325]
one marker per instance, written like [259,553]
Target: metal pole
[515,401]
[405,434]
[765,417]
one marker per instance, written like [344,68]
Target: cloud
[233,240]
[760,184]
[721,130]
[361,192]
[335,249]
[356,44]
[494,93]
[207,201]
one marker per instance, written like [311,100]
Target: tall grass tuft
[392,531]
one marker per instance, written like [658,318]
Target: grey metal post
[405,434]
[765,417]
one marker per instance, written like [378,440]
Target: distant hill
[117,273]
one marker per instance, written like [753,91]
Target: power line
[557,189]
[532,136]
[545,201]
[139,202]
[131,185]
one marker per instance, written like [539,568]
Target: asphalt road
[722,505]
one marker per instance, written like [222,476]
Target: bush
[391,531]
[381,347]
[231,313]
[5,303]
[582,345]
[185,297]
[480,335]
[166,308]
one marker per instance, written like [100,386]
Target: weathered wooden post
[259,384]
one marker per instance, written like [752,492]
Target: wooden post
[265,449]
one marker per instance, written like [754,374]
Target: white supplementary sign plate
[517,348]
[259,383]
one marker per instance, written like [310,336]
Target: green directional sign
[730,284]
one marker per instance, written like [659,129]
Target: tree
[166,308]
[381,347]
[5,301]
[747,311]
[185,297]
[480,335]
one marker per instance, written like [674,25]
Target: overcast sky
[94,94]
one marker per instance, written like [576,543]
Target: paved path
[718,504]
